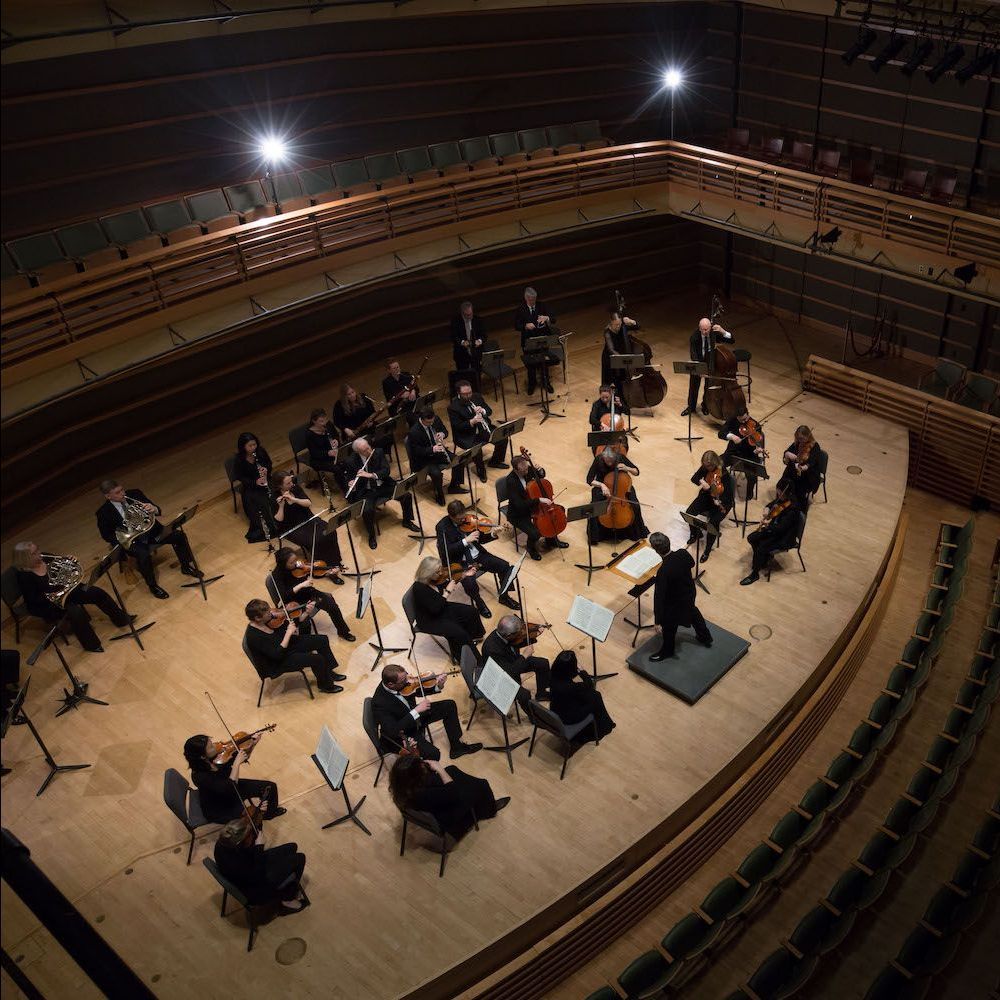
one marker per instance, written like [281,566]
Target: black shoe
[348,636]
[558,543]
[535,554]
[439,499]
[482,476]
[280,811]
[658,657]
[336,580]
[191,571]
[372,542]
[752,578]
[686,411]
[460,749]
[339,677]
[543,696]
[498,465]
[704,408]
[531,390]
[484,611]
[707,643]
[159,593]
[410,526]
[691,540]
[458,489]
[509,602]
[550,388]
[502,802]
[334,689]
[704,557]
[96,649]
[290,906]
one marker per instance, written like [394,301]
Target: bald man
[703,342]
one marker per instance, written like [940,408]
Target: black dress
[453,804]
[294,527]
[804,484]
[363,409]
[260,872]
[704,504]
[222,801]
[595,530]
[256,498]
[319,445]
[460,624]
[271,659]
[325,601]
[573,700]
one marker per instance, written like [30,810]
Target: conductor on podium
[673,597]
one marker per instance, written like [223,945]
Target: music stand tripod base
[508,748]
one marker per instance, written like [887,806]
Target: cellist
[603,467]
[715,497]
[702,344]
[520,508]
[602,407]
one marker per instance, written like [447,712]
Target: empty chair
[772,148]
[943,186]
[645,976]
[477,152]
[862,171]
[416,163]
[352,177]
[914,182]
[287,190]
[924,953]
[298,440]
[738,140]
[977,391]
[211,209]
[506,146]
[794,832]
[535,142]
[448,157]
[949,912]
[891,984]
[563,139]
[856,890]
[173,221]
[944,380]
[250,201]
[906,816]
[384,169]
[542,718]
[819,931]
[884,853]
[318,184]
[182,800]
[802,154]
[688,938]
[496,370]
[828,162]
[42,256]
[131,231]
[589,134]
[604,993]
[727,900]
[87,242]
[11,278]
[781,974]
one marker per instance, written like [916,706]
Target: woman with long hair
[303,589]
[574,696]
[252,469]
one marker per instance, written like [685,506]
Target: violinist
[512,648]
[252,469]
[294,519]
[460,624]
[616,342]
[456,544]
[324,447]
[283,650]
[715,497]
[468,337]
[802,469]
[400,390]
[470,420]
[777,530]
[745,439]
[520,507]
[533,319]
[602,408]
[599,476]
[402,717]
[354,415]
[426,448]
[674,597]
[370,481]
[296,585]
[702,345]
[221,790]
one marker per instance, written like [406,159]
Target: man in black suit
[468,548]
[470,416]
[777,531]
[520,508]
[426,449]
[500,646]
[398,383]
[371,481]
[673,597]
[111,518]
[703,342]
[467,339]
[532,319]
[400,716]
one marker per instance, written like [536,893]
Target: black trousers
[670,632]
[496,459]
[325,602]
[255,788]
[489,564]
[375,498]
[284,866]
[763,545]
[142,550]
[435,473]
[534,536]
[310,652]
[257,507]
[79,618]
[327,546]
[445,711]
[704,506]
[538,666]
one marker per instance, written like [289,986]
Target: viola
[421,683]
[549,519]
[228,750]
[318,568]
[475,522]
[803,456]
[774,511]
[290,612]
[453,572]
[752,434]
[620,513]
[529,633]
[715,484]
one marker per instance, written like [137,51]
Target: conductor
[673,597]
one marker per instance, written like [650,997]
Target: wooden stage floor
[380,925]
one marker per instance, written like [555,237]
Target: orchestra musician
[295,521]
[574,697]
[520,507]
[35,587]
[284,650]
[468,338]
[469,415]
[736,431]
[802,470]
[403,717]
[507,646]
[324,448]
[460,624]
[616,342]
[702,345]
[354,416]
[395,382]
[533,319]
[602,406]
[294,589]
[252,469]
[715,497]
[372,483]
[426,449]
[777,530]
[603,465]
[111,517]
[468,549]
[674,597]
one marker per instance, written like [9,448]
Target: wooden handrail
[79,306]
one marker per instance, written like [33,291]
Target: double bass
[549,519]
[723,395]
[647,387]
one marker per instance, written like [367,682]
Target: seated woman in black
[802,471]
[252,469]
[449,794]
[460,624]
[35,586]
[262,873]
[574,697]
[603,465]
[303,590]
[715,497]
[284,650]
[324,447]
[221,790]
[292,510]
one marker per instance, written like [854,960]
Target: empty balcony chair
[589,134]
[11,279]
[802,155]
[977,392]
[211,209]
[604,993]
[907,816]
[884,852]
[820,931]
[416,163]
[688,938]
[87,243]
[923,953]
[645,976]
[891,984]
[352,178]
[795,831]
[131,232]
[447,157]
[914,182]
[772,148]
[250,201]
[563,139]
[828,162]
[943,186]
[287,191]
[861,747]
[855,890]
[535,142]
[506,146]
[727,900]
[862,171]
[318,184]
[738,141]
[780,975]
[945,380]
[42,256]
[949,912]
[975,874]
[478,153]
[173,221]
[385,171]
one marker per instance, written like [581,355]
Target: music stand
[332,763]
[513,577]
[499,690]
[593,620]
[388,427]
[637,591]
[587,510]
[757,469]
[601,439]
[407,485]
[626,363]
[466,460]
[17,712]
[100,570]
[497,356]
[699,524]
[689,368]
[536,354]
[78,688]
[364,603]
[177,524]
[506,432]
[427,399]
[343,516]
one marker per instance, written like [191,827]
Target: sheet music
[365,596]
[637,564]
[497,686]
[514,570]
[590,618]
[331,759]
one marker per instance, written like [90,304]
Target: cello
[619,514]
[723,394]
[549,519]
[613,422]
[647,387]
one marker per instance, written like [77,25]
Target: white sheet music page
[331,758]
[497,686]
[590,618]
[637,564]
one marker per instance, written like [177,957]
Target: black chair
[265,676]
[410,610]
[10,593]
[743,356]
[795,547]
[469,665]
[182,800]
[822,462]
[543,718]
[501,488]
[496,371]
[230,466]
[298,440]
[371,731]
[427,822]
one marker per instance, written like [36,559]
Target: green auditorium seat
[645,976]
[506,146]
[863,748]
[352,177]
[11,279]
[173,221]
[760,865]
[589,134]
[975,874]
[727,900]
[856,890]
[689,937]
[820,931]
[949,912]
[604,993]
[477,151]
[416,163]
[891,984]
[923,953]
[781,974]
[287,189]
[36,253]
[131,231]
[987,838]
[793,832]
[535,140]
[926,786]
[912,652]
[319,185]
[384,169]
[884,853]
[563,138]
[943,380]
[250,201]
[211,209]
[448,157]
[88,243]
[842,769]
[909,817]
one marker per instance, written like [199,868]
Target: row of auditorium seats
[684,951]
[952,380]
[861,169]
[48,256]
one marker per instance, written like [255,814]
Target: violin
[421,683]
[290,612]
[803,456]
[715,485]
[529,633]
[253,820]
[230,748]
[774,511]
[753,435]
[549,519]
[620,513]
[317,568]
[453,572]
[475,522]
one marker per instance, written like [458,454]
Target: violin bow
[551,629]
[236,789]
[312,554]
[277,594]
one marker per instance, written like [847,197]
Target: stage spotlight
[895,45]
[945,63]
[921,51]
[672,78]
[830,237]
[980,64]
[273,149]
[966,273]
[866,39]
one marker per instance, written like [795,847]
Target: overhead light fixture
[672,78]
[273,149]
[980,64]
[866,39]
[945,63]
[966,273]
[923,48]
[895,45]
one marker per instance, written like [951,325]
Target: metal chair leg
[444,854]
[475,708]
[260,694]
[312,697]
[531,748]
[378,773]
[562,773]
[402,839]
[191,848]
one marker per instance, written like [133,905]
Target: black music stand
[536,354]
[178,524]
[497,688]
[513,577]
[637,591]
[497,356]
[388,427]
[703,524]
[466,460]
[587,510]
[103,568]
[344,516]
[626,363]
[601,439]
[757,469]
[78,689]
[690,368]
[506,432]
[407,485]
[427,399]
[16,713]
[594,630]
[334,770]
[364,603]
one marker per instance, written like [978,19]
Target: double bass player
[702,344]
